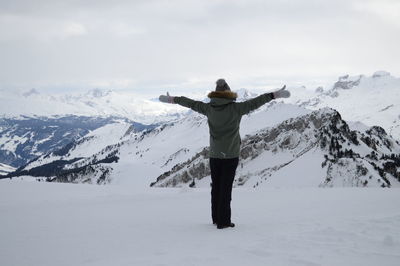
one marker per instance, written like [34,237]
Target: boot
[222,226]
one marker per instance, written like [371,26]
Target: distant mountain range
[95,102]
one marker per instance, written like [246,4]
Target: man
[224,115]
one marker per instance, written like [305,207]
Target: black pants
[222,175]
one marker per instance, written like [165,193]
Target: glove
[282,93]
[166,98]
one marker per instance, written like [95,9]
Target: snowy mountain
[6,169]
[372,100]
[26,138]
[93,145]
[284,145]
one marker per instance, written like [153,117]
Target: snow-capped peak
[379,74]
[347,82]
[245,94]
[97,93]
[31,92]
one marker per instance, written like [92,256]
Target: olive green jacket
[224,116]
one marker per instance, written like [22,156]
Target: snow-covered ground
[63,224]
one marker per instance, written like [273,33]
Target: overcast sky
[157,44]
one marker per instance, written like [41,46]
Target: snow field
[64,224]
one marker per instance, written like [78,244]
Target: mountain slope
[6,169]
[24,139]
[92,145]
[316,149]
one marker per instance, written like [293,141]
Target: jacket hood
[222,97]
[223,94]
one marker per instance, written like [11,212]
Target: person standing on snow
[224,115]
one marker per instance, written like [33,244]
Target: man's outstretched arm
[250,105]
[196,106]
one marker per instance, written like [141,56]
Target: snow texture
[61,224]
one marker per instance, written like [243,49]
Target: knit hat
[222,85]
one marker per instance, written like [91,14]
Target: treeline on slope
[56,171]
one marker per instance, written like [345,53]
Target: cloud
[189,43]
